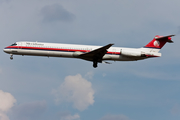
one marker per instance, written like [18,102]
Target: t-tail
[158,42]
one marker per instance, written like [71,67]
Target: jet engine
[132,53]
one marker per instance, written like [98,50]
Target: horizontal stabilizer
[168,38]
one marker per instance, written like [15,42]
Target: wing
[97,54]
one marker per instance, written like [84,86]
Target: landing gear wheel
[11,57]
[95,64]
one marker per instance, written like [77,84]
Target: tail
[158,42]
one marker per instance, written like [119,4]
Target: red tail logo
[159,41]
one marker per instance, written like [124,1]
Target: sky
[40,88]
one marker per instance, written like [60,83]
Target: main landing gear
[95,64]
[11,57]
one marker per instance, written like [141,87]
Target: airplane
[95,54]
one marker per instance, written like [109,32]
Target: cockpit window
[14,44]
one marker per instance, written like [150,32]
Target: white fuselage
[74,50]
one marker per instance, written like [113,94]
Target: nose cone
[7,50]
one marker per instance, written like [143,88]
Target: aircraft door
[114,51]
[19,45]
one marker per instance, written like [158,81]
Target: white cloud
[89,75]
[68,116]
[3,116]
[56,12]
[175,109]
[29,110]
[104,74]
[77,90]
[157,75]
[115,117]
[6,103]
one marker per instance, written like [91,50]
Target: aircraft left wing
[96,54]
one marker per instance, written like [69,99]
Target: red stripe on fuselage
[55,49]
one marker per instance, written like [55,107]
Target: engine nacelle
[132,53]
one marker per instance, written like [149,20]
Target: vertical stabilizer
[158,42]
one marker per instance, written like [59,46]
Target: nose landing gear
[11,57]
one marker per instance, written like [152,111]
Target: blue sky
[41,88]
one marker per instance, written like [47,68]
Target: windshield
[14,44]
